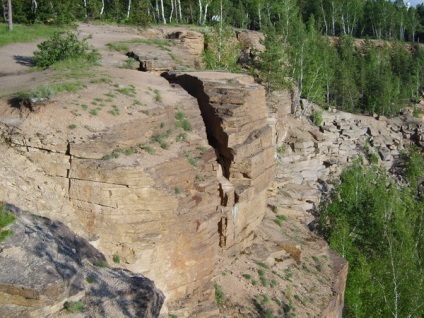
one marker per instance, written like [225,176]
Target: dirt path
[15,59]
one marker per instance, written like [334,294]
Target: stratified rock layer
[235,115]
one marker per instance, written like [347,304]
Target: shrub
[316,117]
[63,46]
[6,218]
[219,295]
[116,259]
[74,306]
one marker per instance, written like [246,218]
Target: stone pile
[311,158]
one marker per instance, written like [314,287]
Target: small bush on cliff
[316,117]
[6,218]
[74,306]
[63,46]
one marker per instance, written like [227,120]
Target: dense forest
[376,221]
[309,43]
[380,19]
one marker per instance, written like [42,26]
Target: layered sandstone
[234,111]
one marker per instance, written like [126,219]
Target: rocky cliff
[194,179]
[47,270]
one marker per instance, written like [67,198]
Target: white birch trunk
[206,11]
[163,12]
[102,8]
[9,15]
[129,9]
[34,6]
[172,11]
[179,11]
[200,12]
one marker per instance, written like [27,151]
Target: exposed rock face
[44,264]
[234,111]
[166,215]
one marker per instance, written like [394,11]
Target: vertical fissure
[218,139]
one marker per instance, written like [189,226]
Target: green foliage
[182,121]
[6,218]
[222,50]
[247,276]
[316,117]
[416,112]
[72,126]
[62,46]
[101,264]
[273,62]
[25,33]
[129,64]
[116,259]
[90,279]
[158,96]
[219,295]
[376,225]
[74,306]
[118,46]
[190,158]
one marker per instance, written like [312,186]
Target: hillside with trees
[359,56]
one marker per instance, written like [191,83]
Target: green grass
[101,80]
[48,91]
[129,91]
[118,46]
[74,306]
[6,218]
[158,96]
[247,276]
[101,264]
[26,33]
[90,279]
[261,264]
[219,295]
[78,65]
[116,259]
[129,64]
[72,126]
[147,149]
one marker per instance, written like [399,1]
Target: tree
[273,62]
[9,15]
[378,227]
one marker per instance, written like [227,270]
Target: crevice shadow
[24,60]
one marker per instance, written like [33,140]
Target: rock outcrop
[46,267]
[167,215]
[235,115]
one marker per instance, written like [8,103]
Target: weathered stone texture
[235,115]
[44,264]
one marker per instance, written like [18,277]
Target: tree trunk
[129,9]
[85,9]
[181,16]
[103,7]
[9,15]
[163,12]
[206,12]
[172,11]
[34,6]
[200,12]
